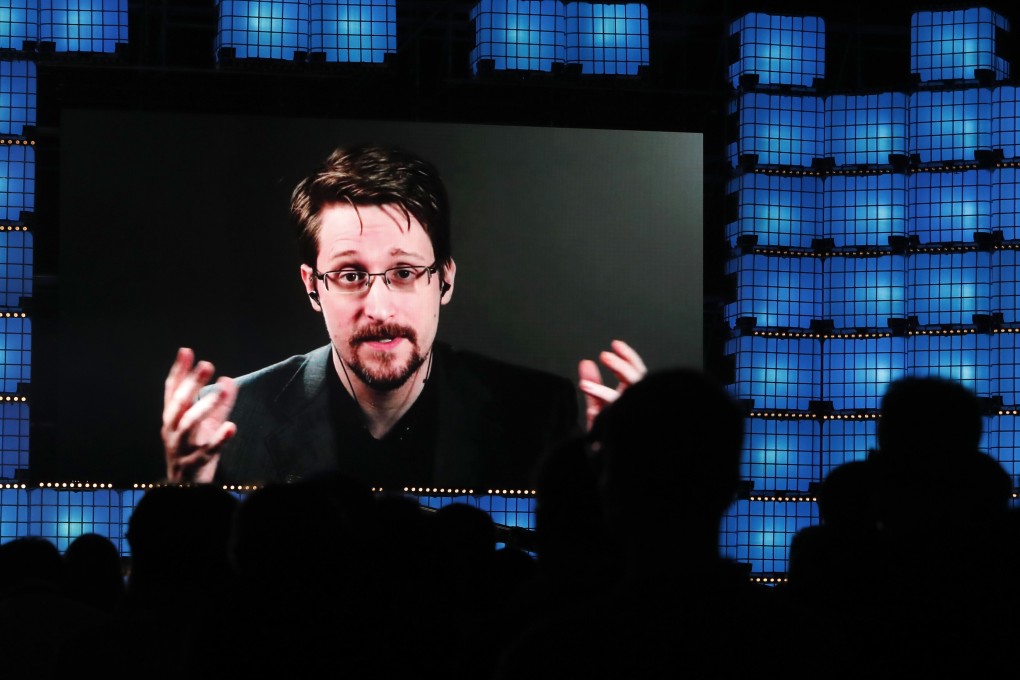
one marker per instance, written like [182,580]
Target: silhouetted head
[929,416]
[670,445]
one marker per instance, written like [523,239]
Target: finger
[182,364]
[588,373]
[184,395]
[208,408]
[598,393]
[628,353]
[227,389]
[626,372]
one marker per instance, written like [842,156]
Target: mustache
[384,331]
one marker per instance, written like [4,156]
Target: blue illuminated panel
[84,25]
[607,39]
[865,129]
[263,29]
[13,438]
[783,292]
[950,45]
[949,207]
[781,454]
[1005,120]
[1005,288]
[864,210]
[779,129]
[15,351]
[1002,436]
[62,516]
[511,511]
[758,533]
[950,125]
[1005,367]
[965,357]
[780,50]
[19,21]
[14,513]
[858,370]
[776,373]
[1006,203]
[15,268]
[362,31]
[17,181]
[17,96]
[948,288]
[781,210]
[864,292]
[845,440]
[525,35]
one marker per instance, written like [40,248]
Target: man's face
[382,335]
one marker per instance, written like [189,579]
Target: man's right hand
[194,430]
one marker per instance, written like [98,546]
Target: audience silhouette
[910,569]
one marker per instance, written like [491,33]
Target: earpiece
[443,287]
[314,297]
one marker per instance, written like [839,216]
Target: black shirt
[405,456]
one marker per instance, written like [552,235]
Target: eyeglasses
[404,278]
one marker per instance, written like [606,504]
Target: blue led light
[965,358]
[14,428]
[263,29]
[950,45]
[950,125]
[864,210]
[15,353]
[845,440]
[16,263]
[17,96]
[780,210]
[949,207]
[781,454]
[781,292]
[865,129]
[858,370]
[948,288]
[19,21]
[776,373]
[17,181]
[780,50]
[362,31]
[864,292]
[526,35]
[780,129]
[84,25]
[607,39]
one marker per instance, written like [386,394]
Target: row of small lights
[784,499]
[786,251]
[13,227]
[801,415]
[802,335]
[876,170]
[7,141]
[72,485]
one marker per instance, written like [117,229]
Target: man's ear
[447,275]
[311,287]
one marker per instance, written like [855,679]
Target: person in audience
[669,451]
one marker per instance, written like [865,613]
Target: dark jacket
[495,420]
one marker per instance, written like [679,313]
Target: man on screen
[384,401]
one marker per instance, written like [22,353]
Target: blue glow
[858,370]
[865,129]
[16,257]
[19,21]
[1006,121]
[267,29]
[1002,441]
[362,31]
[17,96]
[758,533]
[1005,289]
[864,210]
[964,357]
[84,25]
[14,427]
[15,353]
[950,125]
[781,454]
[607,39]
[17,181]
[949,45]
[776,373]
[780,129]
[1005,366]
[949,207]
[780,50]
[780,292]
[864,292]
[846,440]
[780,210]
[526,35]
[948,288]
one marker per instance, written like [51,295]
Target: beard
[381,370]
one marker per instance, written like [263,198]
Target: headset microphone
[443,287]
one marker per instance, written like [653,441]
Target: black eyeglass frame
[419,270]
